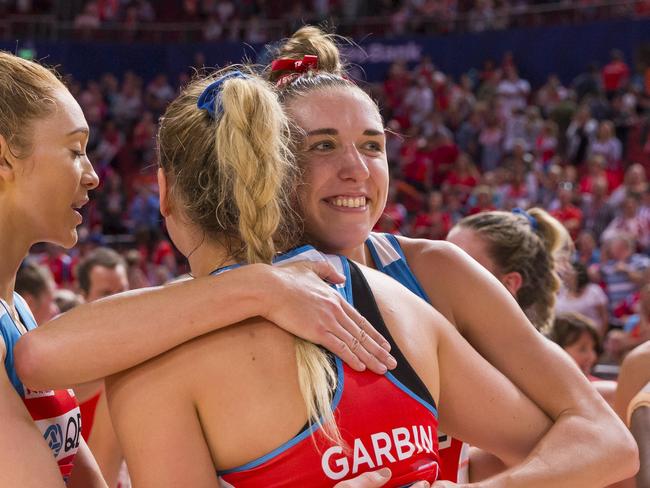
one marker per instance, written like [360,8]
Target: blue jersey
[388,257]
[55,412]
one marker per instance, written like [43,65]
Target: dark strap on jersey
[366,305]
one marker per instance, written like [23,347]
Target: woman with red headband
[341,198]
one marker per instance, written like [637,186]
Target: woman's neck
[14,246]
[207,257]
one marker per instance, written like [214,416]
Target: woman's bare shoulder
[219,353]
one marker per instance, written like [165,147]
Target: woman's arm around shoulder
[586,431]
[26,460]
[118,332]
[476,403]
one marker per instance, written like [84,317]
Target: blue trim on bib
[415,397]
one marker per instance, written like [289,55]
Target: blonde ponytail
[234,177]
[251,141]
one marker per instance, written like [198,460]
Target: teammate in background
[522,250]
[633,406]
[224,403]
[341,199]
[35,284]
[100,274]
[45,177]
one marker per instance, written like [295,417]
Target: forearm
[557,463]
[118,332]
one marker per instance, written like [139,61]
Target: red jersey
[382,423]
[384,420]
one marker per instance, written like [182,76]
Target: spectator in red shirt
[435,222]
[568,213]
[463,177]
[595,171]
[484,200]
[615,74]
[443,153]
[59,263]
[416,164]
[546,143]
[397,83]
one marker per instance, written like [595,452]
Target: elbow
[632,454]
[624,454]
[26,362]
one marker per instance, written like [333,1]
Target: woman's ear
[512,281]
[163,191]
[7,168]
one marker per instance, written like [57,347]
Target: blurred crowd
[262,20]
[488,140]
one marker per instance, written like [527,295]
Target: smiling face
[343,155]
[52,182]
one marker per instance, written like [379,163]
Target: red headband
[294,68]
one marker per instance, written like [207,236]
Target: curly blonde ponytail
[234,177]
[251,140]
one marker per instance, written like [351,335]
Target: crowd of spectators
[261,20]
[488,140]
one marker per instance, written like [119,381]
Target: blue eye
[322,146]
[375,146]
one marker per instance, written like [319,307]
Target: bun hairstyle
[231,170]
[330,71]
[531,243]
[316,375]
[310,41]
[27,93]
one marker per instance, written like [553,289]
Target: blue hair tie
[531,220]
[210,99]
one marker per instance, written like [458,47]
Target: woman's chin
[67,241]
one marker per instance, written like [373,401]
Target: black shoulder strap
[366,305]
